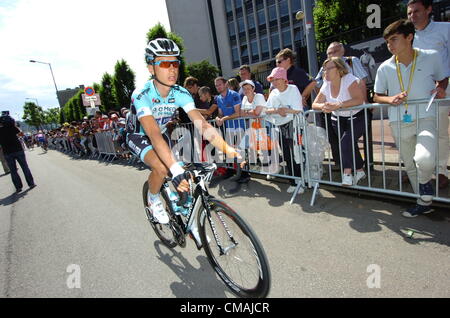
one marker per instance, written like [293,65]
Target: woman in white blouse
[340,91]
[252,103]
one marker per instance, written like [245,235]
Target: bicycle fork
[223,250]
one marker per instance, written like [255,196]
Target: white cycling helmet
[160,47]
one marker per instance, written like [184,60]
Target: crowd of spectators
[81,137]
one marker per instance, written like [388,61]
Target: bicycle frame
[200,199]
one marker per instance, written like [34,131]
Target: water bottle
[174,199]
[187,205]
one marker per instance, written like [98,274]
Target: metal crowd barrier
[105,146]
[261,142]
[382,179]
[383,166]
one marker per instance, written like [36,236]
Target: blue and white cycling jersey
[148,102]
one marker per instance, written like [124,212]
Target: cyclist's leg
[159,171]
[141,147]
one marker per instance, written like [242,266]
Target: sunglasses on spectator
[279,61]
[167,64]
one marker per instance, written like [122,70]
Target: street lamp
[307,16]
[54,82]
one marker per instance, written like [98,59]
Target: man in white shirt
[432,35]
[408,75]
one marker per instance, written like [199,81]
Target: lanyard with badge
[406,117]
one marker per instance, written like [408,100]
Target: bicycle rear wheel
[163,231]
[235,254]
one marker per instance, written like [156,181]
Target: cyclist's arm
[161,148]
[210,133]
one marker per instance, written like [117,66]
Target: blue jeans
[11,160]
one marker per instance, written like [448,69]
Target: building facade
[230,33]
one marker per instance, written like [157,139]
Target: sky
[81,39]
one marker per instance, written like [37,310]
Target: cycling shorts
[139,144]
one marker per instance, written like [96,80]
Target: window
[264,48]
[295,6]
[272,13]
[249,6]
[270,2]
[255,53]
[241,25]
[259,4]
[250,21]
[283,7]
[235,56]
[286,38]
[244,54]
[231,30]
[261,17]
[297,35]
[275,43]
[228,6]
[238,7]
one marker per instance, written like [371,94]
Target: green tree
[74,109]
[346,20]
[123,84]
[52,116]
[204,71]
[106,94]
[159,31]
[33,115]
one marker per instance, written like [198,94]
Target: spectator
[397,81]
[353,64]
[13,151]
[233,84]
[206,97]
[340,90]
[124,111]
[369,65]
[229,104]
[284,101]
[252,103]
[191,84]
[229,108]
[296,76]
[432,35]
[245,74]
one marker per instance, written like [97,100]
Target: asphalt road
[85,217]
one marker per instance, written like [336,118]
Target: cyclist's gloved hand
[179,178]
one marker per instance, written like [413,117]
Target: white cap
[250,82]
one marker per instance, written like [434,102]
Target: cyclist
[152,107]
[41,139]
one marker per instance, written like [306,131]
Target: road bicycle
[231,246]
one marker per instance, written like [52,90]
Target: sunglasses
[167,64]
[279,61]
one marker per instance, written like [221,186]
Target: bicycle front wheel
[234,251]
